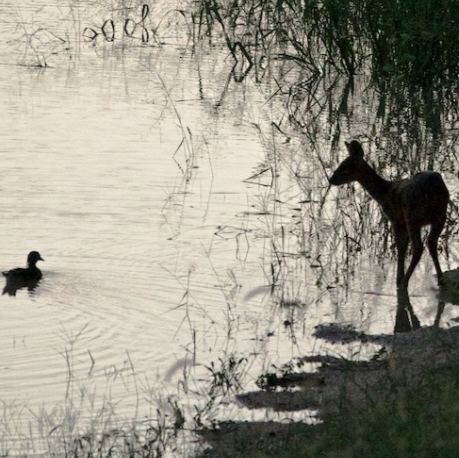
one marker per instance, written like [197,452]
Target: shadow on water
[13,284]
[399,355]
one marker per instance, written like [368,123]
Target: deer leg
[415,236]
[432,244]
[401,242]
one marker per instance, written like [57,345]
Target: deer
[409,204]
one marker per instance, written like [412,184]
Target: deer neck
[374,184]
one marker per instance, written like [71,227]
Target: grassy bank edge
[409,415]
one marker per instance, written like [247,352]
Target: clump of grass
[224,380]
[419,419]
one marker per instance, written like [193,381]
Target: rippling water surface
[120,174]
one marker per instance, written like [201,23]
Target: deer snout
[336,180]
[332,180]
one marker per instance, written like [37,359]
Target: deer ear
[348,147]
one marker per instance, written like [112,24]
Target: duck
[21,277]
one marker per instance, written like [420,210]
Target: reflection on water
[14,283]
[405,319]
[184,210]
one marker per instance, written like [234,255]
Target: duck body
[23,277]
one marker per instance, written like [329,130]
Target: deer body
[409,204]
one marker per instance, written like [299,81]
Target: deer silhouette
[409,204]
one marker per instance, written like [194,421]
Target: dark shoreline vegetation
[398,404]
[321,57]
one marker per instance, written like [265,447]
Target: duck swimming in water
[23,277]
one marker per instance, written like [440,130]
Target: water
[135,172]
[123,198]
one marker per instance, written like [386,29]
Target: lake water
[142,175]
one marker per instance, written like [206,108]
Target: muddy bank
[403,360]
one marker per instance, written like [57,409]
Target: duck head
[33,258]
